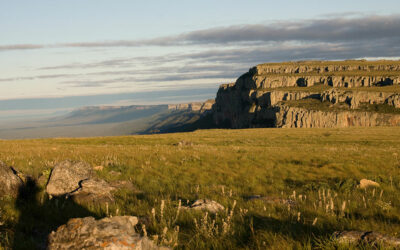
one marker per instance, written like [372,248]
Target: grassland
[317,169]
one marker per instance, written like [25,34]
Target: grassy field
[318,170]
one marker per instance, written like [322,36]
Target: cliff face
[349,90]
[294,117]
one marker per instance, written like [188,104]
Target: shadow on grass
[290,229]
[39,218]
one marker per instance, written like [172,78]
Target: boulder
[10,182]
[208,205]
[93,191]
[369,237]
[66,177]
[364,184]
[109,233]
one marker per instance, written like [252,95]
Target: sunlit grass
[317,169]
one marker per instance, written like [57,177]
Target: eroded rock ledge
[312,94]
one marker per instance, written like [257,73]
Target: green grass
[321,166]
[315,104]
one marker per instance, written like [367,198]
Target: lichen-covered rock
[93,191]
[67,176]
[10,182]
[109,233]
[208,205]
[369,237]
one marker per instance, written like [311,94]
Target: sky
[113,50]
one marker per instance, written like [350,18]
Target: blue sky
[51,49]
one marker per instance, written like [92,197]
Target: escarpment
[312,94]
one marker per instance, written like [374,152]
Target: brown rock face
[66,177]
[295,117]
[108,233]
[10,183]
[259,97]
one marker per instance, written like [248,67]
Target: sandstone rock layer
[350,93]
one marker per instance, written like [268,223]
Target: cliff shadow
[39,216]
[386,82]
[301,82]
[296,231]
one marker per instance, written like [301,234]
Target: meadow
[308,178]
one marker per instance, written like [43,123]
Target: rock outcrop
[66,177]
[369,237]
[93,191]
[207,205]
[109,233]
[76,180]
[10,182]
[296,117]
[351,93]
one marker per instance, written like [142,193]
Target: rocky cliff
[312,94]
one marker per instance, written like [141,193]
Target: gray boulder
[67,176]
[108,233]
[208,205]
[369,237]
[93,191]
[10,182]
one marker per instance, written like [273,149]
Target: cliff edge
[312,94]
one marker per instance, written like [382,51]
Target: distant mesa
[193,106]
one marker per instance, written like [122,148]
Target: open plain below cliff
[282,188]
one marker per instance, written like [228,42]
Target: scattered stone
[364,184]
[93,191]
[109,233]
[369,237]
[122,184]
[66,177]
[272,200]
[184,143]
[209,205]
[98,168]
[10,182]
